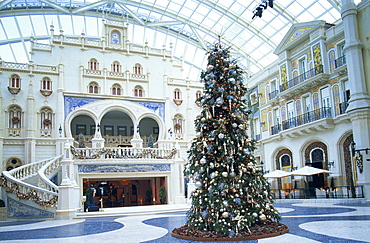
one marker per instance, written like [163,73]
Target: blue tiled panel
[72,103]
[17,209]
[122,168]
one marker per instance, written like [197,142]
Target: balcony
[307,117]
[343,107]
[311,118]
[275,129]
[303,82]
[340,61]
[340,65]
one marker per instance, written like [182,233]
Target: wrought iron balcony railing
[275,129]
[273,94]
[301,78]
[343,107]
[305,118]
[340,61]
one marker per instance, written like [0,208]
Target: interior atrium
[99,97]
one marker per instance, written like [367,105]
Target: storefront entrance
[124,192]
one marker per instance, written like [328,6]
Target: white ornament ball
[198,184]
[225,214]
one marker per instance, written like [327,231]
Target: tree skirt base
[257,232]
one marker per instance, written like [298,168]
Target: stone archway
[316,155]
[149,131]
[117,128]
[83,128]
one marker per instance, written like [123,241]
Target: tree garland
[30,196]
[112,154]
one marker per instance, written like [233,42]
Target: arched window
[138,91]
[317,156]
[13,163]
[116,89]
[46,118]
[93,64]
[93,88]
[286,165]
[198,94]
[138,69]
[15,117]
[14,84]
[15,81]
[46,84]
[177,94]
[46,87]
[116,67]
[178,122]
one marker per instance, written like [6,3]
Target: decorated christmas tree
[232,198]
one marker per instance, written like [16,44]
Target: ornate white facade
[118,95]
[312,104]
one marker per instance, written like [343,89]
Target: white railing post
[68,197]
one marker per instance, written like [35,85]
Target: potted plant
[149,196]
[3,210]
[162,194]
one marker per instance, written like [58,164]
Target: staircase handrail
[47,170]
[12,183]
[28,170]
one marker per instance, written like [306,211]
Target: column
[359,103]
[29,124]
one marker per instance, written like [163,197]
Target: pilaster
[68,193]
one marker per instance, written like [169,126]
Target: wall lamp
[358,156]
[60,130]
[331,164]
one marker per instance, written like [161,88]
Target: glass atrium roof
[190,25]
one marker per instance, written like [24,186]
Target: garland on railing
[113,154]
[31,196]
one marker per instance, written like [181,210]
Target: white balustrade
[122,153]
[46,196]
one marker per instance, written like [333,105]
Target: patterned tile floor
[308,222]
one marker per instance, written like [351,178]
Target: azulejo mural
[123,168]
[72,103]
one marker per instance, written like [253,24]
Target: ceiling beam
[336,4]
[163,23]
[56,6]
[199,38]
[133,15]
[4,3]
[90,6]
